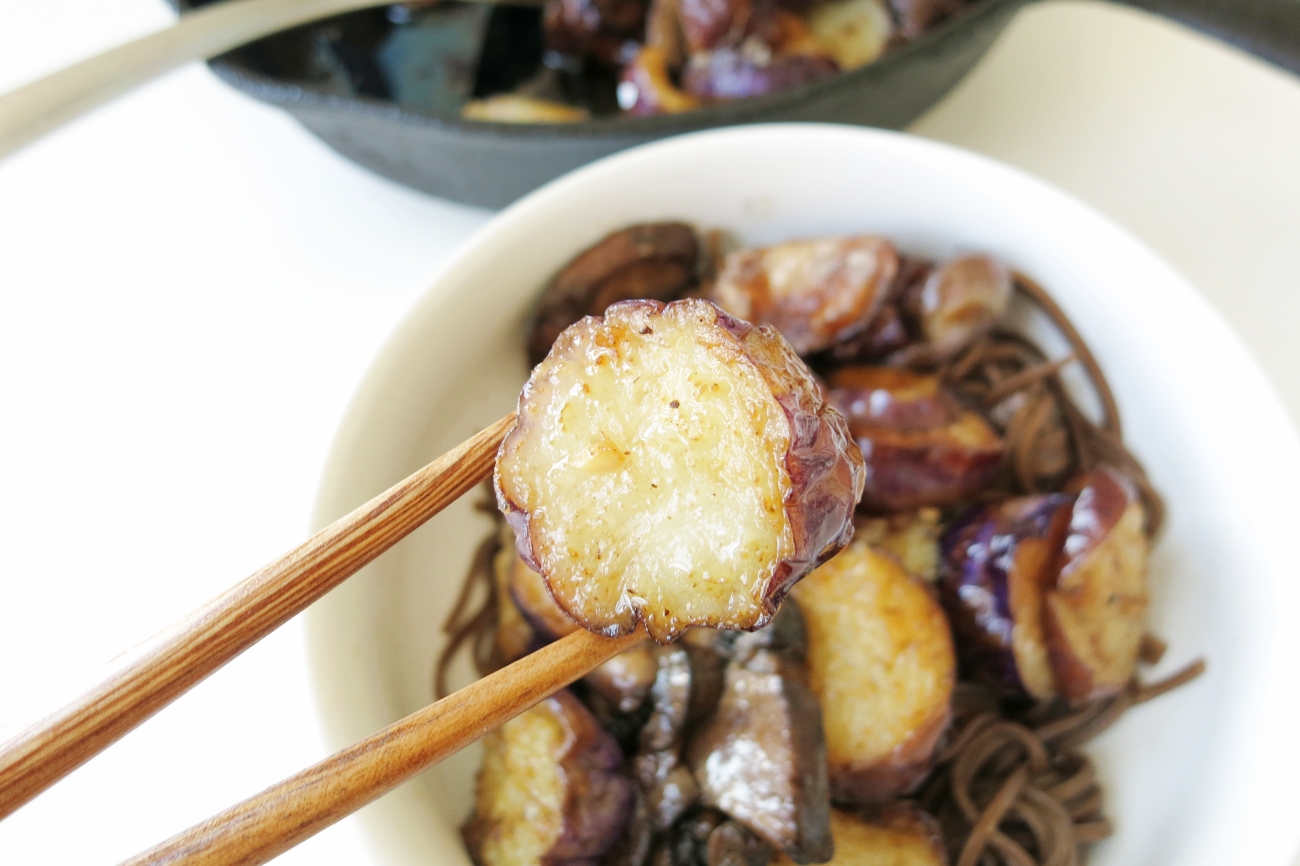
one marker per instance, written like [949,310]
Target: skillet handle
[1269,29]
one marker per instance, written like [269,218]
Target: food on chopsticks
[922,695]
[676,467]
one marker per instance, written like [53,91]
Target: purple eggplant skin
[633,847]
[670,696]
[732,73]
[647,260]
[761,757]
[997,563]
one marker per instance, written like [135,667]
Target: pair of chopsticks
[189,650]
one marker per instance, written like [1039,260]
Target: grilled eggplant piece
[533,600]
[815,292]
[669,786]
[911,536]
[645,86]
[605,31]
[650,260]
[891,397]
[899,835]
[675,466]
[998,562]
[550,789]
[733,844]
[761,757]
[663,31]
[852,32]
[881,661]
[1096,612]
[514,637]
[671,696]
[708,24]
[624,680]
[919,446]
[724,74]
[633,846]
[959,303]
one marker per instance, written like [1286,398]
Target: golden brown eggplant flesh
[911,536]
[881,661]
[550,790]
[897,835]
[675,466]
[1096,610]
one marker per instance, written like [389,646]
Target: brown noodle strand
[463,625]
[1012,853]
[474,627]
[1073,785]
[1142,694]
[1027,377]
[987,822]
[1152,649]
[1092,831]
[1057,804]
[1110,411]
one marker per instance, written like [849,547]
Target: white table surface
[191,286]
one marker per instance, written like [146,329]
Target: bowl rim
[1281,835]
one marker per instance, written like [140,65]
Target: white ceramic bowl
[1203,776]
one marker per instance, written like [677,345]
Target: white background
[191,286]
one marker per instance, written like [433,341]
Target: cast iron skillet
[492,164]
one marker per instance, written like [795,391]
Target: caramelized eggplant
[733,844]
[1096,610]
[815,292]
[752,69]
[634,844]
[649,260]
[514,636]
[957,304]
[911,536]
[881,661]
[708,24]
[852,32]
[891,397]
[919,446]
[605,31]
[897,835]
[517,108]
[999,561]
[624,680]
[761,757]
[645,86]
[550,789]
[675,466]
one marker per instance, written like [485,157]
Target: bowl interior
[1197,777]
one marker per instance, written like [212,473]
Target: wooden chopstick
[158,672]
[285,814]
